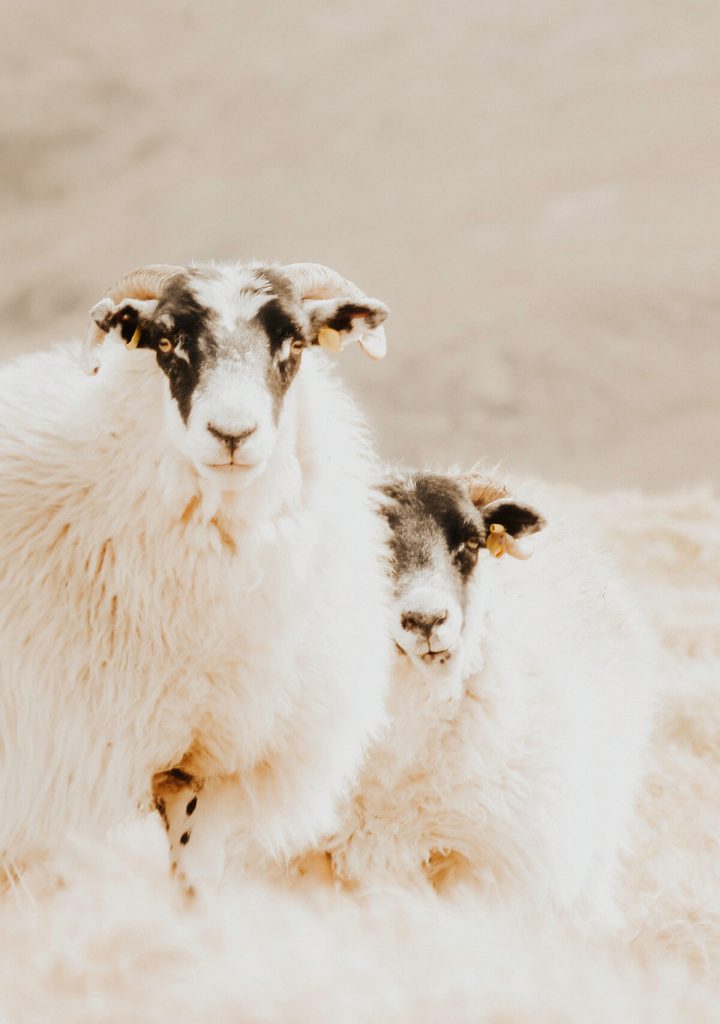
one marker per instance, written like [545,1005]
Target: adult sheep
[178,536]
[519,705]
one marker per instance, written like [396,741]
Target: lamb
[178,532]
[519,706]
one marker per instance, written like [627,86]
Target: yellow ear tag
[329,339]
[496,540]
[133,343]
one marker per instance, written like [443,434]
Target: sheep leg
[196,823]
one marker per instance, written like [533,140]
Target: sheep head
[229,339]
[439,525]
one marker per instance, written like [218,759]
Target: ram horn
[144,283]
[315,281]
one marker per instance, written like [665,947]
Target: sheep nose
[232,440]
[422,622]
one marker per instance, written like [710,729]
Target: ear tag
[496,540]
[133,343]
[500,543]
[329,339]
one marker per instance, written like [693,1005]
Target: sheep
[519,706]
[179,528]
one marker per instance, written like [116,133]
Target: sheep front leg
[196,822]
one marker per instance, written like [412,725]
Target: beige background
[534,188]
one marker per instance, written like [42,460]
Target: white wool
[518,763]
[143,612]
[116,943]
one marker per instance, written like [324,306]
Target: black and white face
[437,538]
[229,340]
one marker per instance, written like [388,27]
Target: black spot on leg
[162,811]
[185,838]
[191,806]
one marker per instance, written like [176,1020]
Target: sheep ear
[505,521]
[335,323]
[128,316]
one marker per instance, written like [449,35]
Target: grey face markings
[187,337]
[428,511]
[432,516]
[191,328]
[278,320]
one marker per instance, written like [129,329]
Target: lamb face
[229,340]
[440,527]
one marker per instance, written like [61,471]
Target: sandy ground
[533,188]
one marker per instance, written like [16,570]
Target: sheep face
[438,535]
[229,340]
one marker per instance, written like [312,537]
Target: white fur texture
[117,944]
[517,762]
[146,613]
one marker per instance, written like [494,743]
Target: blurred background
[534,189]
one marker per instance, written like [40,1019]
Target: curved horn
[316,281]
[482,489]
[143,283]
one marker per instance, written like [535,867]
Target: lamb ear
[335,323]
[506,520]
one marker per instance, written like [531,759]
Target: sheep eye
[297,345]
[165,345]
[472,544]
